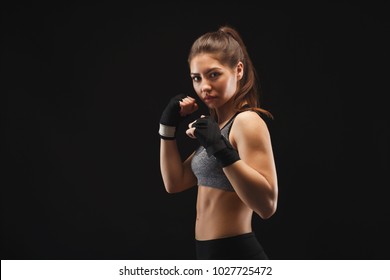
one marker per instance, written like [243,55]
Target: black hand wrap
[171,118]
[209,135]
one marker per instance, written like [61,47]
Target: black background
[84,89]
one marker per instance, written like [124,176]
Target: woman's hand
[188,105]
[190,131]
[208,133]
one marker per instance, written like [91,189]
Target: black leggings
[240,247]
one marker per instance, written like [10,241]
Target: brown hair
[226,44]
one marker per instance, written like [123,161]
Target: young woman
[234,166]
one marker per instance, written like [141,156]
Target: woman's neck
[224,114]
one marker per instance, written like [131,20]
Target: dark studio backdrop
[83,88]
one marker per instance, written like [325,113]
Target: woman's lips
[209,98]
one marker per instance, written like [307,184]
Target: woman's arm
[254,177]
[176,174]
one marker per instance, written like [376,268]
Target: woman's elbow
[175,188]
[170,188]
[267,211]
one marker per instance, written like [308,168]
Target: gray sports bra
[207,169]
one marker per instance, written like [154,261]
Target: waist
[242,246]
[216,229]
[222,240]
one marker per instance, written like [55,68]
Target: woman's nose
[205,87]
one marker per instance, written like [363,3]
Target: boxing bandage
[209,135]
[171,118]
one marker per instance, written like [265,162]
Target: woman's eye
[214,75]
[195,78]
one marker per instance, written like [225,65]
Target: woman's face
[214,83]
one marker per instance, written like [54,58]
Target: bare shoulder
[249,126]
[249,120]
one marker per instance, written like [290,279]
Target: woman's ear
[240,70]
